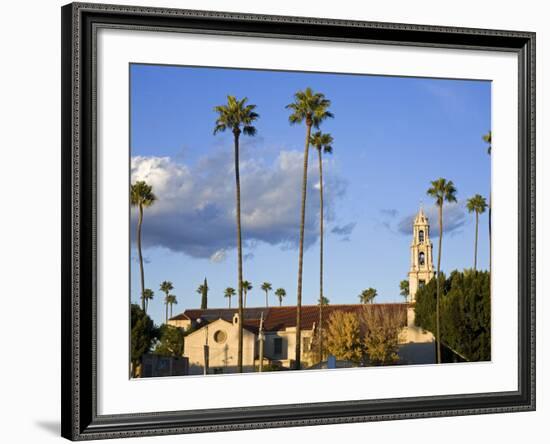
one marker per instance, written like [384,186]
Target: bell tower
[422,267]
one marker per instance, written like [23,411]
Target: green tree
[343,336]
[424,307]
[170,342]
[477,205]
[465,312]
[203,291]
[280,293]
[266,286]
[141,196]
[442,191]
[247,286]
[238,117]
[148,295]
[487,139]
[367,296]
[166,287]
[229,293]
[404,289]
[323,300]
[311,108]
[143,333]
[323,143]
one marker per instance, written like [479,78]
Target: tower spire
[421,270]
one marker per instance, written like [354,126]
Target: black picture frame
[80,420]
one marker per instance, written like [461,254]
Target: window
[278,346]
[421,236]
[421,283]
[220,336]
[421,259]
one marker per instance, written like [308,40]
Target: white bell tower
[422,267]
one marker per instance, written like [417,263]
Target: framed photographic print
[276,221]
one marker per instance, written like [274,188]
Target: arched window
[421,259]
[421,236]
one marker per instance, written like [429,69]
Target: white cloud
[218,256]
[195,210]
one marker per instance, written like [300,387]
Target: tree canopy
[236,116]
[143,334]
[171,341]
[465,312]
[344,337]
[367,296]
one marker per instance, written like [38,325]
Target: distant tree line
[465,312]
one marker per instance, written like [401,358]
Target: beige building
[213,341]
[217,328]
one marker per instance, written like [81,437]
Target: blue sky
[392,136]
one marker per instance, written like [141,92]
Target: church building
[212,344]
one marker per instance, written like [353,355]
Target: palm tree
[166,287]
[368,295]
[488,138]
[313,109]
[323,143]
[237,117]
[404,288]
[441,190]
[247,286]
[323,300]
[266,286]
[280,293]
[477,205]
[171,300]
[147,295]
[229,293]
[141,196]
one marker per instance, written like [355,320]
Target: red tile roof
[279,318]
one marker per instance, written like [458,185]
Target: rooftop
[279,318]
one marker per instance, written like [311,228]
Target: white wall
[30,233]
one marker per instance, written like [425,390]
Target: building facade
[217,329]
[211,345]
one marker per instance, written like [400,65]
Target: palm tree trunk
[297,364]
[475,245]
[140,256]
[245,297]
[321,216]
[166,322]
[280,302]
[266,303]
[239,252]
[171,310]
[438,341]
